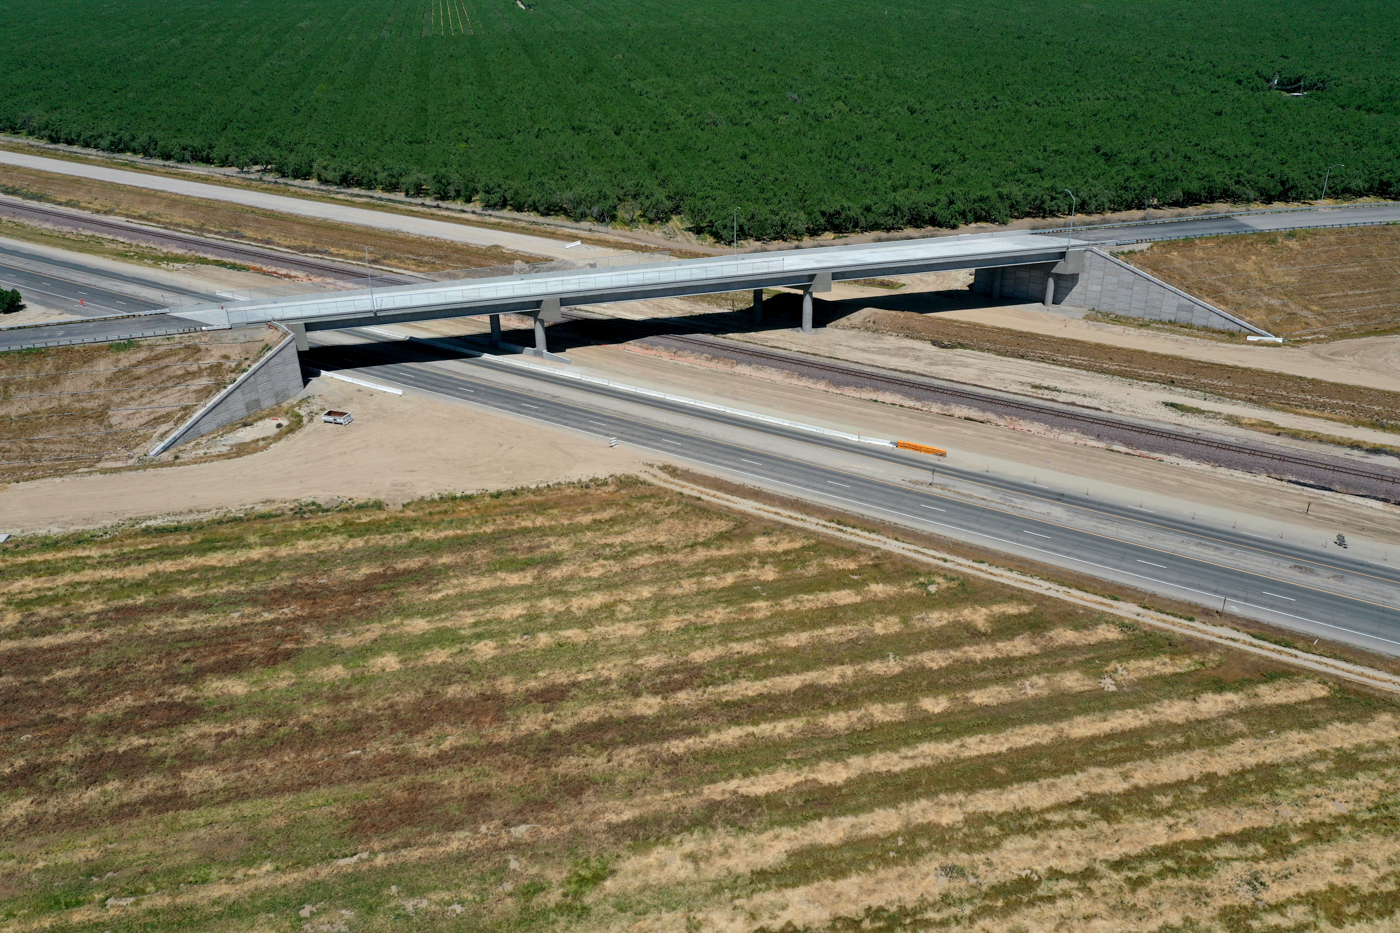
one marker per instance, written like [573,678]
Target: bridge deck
[531,293]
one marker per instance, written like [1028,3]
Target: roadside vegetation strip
[716,855]
[1167,712]
[831,676]
[1052,858]
[876,714]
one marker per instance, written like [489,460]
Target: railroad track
[222,249]
[963,393]
[1298,467]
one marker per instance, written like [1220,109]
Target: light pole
[1073,205]
[736,231]
[1325,179]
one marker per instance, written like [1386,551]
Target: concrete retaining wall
[1108,284]
[271,380]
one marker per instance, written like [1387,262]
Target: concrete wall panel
[1108,284]
[272,380]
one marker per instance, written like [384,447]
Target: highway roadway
[336,211]
[1296,585]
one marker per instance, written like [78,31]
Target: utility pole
[1073,205]
[1325,179]
[370,275]
[736,231]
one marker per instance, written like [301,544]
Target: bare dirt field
[397,449]
[607,706]
[67,409]
[1300,283]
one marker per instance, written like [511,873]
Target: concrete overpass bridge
[544,295]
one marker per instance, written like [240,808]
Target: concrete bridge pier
[549,313]
[996,283]
[1049,290]
[758,306]
[495,330]
[820,283]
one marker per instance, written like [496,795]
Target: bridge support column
[1049,289]
[758,306]
[299,332]
[996,283]
[540,348]
[821,282]
[495,330]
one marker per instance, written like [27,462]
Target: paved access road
[1258,222]
[1336,597]
[307,207]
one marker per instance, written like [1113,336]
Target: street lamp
[736,231]
[1325,178]
[1073,206]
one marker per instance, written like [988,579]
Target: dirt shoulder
[1286,392]
[396,449]
[1372,362]
[269,225]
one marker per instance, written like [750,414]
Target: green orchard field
[808,117]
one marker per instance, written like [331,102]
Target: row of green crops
[812,116]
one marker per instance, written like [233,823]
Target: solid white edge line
[361,382]
[926,521]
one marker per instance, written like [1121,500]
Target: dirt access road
[396,449]
[321,210]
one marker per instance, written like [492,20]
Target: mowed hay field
[605,706]
[1307,284]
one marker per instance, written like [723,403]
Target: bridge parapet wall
[1111,285]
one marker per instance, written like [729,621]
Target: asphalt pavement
[1251,222]
[1284,583]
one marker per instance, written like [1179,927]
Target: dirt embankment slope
[64,409]
[1300,283]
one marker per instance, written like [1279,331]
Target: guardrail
[109,338]
[1200,236]
[1178,220]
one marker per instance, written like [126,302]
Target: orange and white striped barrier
[921,448]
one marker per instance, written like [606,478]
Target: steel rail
[983,399]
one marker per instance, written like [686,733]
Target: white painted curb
[361,382]
[681,399]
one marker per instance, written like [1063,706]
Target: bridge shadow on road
[779,312]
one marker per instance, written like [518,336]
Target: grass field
[807,116]
[608,707]
[1307,284]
